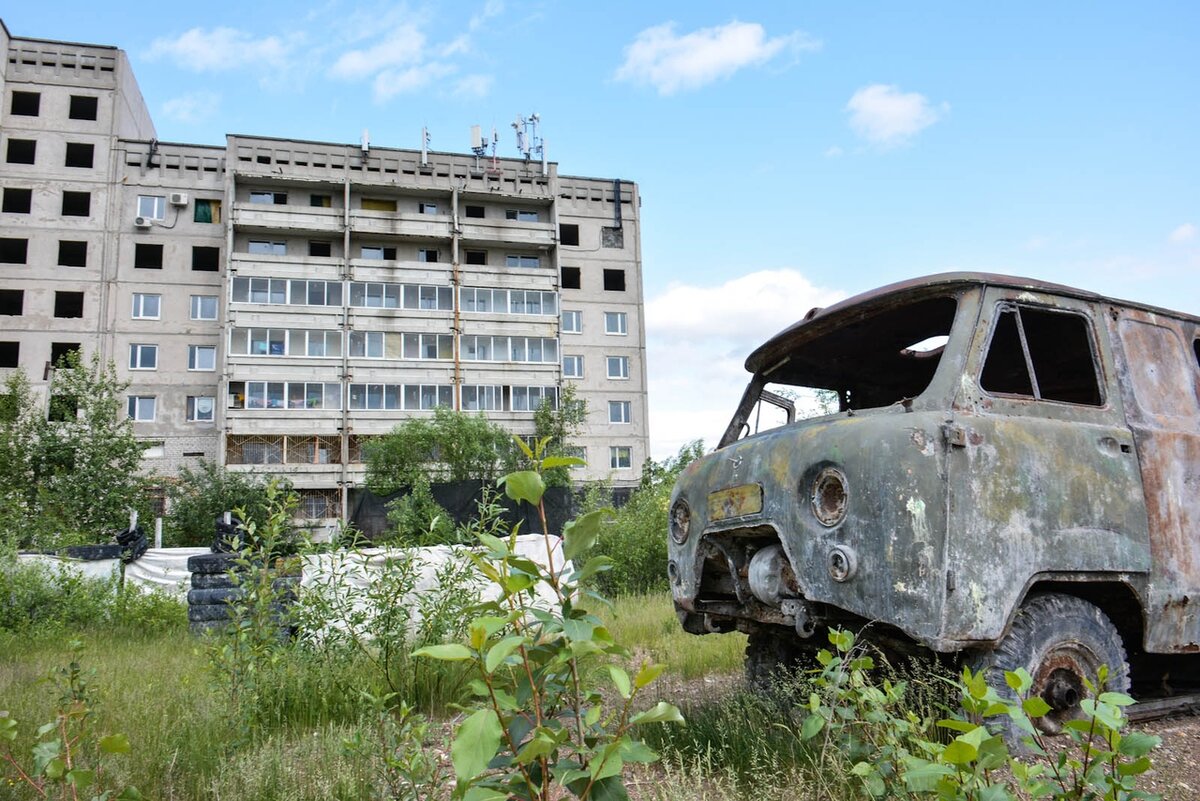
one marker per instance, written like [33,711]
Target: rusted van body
[998,442]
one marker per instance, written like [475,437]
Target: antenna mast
[528,140]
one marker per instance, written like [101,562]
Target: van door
[1160,384]
[1043,477]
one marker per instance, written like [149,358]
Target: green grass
[647,626]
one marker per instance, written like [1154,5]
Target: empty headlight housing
[829,496]
[681,521]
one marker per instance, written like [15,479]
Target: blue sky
[788,154]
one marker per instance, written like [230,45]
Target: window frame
[194,362]
[157,205]
[134,408]
[137,352]
[193,414]
[194,308]
[623,410]
[615,454]
[622,318]
[139,300]
[576,360]
[622,373]
[577,316]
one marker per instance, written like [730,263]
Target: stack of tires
[216,587]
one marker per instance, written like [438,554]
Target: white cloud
[473,86]
[885,116]
[400,46]
[670,62]
[1184,233]
[390,83]
[492,8]
[220,49]
[191,108]
[698,338]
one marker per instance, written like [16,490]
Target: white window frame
[526,260]
[137,406]
[274,248]
[618,454]
[620,412]
[152,207]
[575,317]
[194,360]
[195,415]
[576,366]
[196,307]
[139,306]
[616,323]
[137,352]
[621,373]
[521,215]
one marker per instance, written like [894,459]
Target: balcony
[528,234]
[295,218]
[390,223]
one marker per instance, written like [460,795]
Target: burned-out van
[1012,473]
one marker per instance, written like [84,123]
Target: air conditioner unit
[141,222]
[178,198]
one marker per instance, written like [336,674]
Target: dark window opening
[571,278]
[148,257]
[21,151]
[320,201]
[72,254]
[206,259]
[1042,354]
[427,255]
[12,302]
[83,107]
[77,204]
[60,351]
[68,304]
[320,249]
[614,280]
[568,234]
[26,104]
[80,154]
[63,408]
[17,201]
[476,257]
[14,251]
[10,354]
[612,237]
[474,212]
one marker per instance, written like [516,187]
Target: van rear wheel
[1061,640]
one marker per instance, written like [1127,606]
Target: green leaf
[635,751]
[959,752]
[957,725]
[609,789]
[484,794]
[43,752]
[452,652]
[921,775]
[1135,768]
[662,712]
[542,744]
[115,744]
[1136,744]
[81,779]
[580,533]
[811,727]
[578,629]
[55,768]
[620,679]
[647,674]
[978,686]
[862,769]
[8,728]
[524,485]
[597,564]
[551,462]
[130,794]
[475,743]
[1035,706]
[501,651]
[1116,699]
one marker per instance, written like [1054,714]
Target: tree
[202,495]
[559,425]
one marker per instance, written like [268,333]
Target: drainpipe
[345,378]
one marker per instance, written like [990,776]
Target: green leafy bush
[201,495]
[419,520]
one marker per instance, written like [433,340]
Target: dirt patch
[1176,773]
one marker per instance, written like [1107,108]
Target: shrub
[199,496]
[419,520]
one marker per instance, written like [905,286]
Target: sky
[788,154]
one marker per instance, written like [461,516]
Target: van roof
[823,319]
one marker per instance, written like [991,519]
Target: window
[427,255]
[614,280]
[203,307]
[152,207]
[76,204]
[572,322]
[321,249]
[147,257]
[72,253]
[59,351]
[615,323]
[620,457]
[12,302]
[264,248]
[570,278]
[618,366]
[143,357]
[530,399]
[17,201]
[200,408]
[1041,354]
[21,151]
[568,234]
[141,408]
[476,257]
[272,198]
[202,357]
[427,208]
[14,251]
[83,107]
[474,212]
[10,354]
[619,412]
[25,104]
[520,215]
[207,211]
[79,154]
[320,201]
[206,258]
[572,367]
[68,304]
[378,253]
[518,260]
[146,306]
[378,204]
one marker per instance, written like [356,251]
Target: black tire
[93,553]
[218,595]
[212,581]
[773,653]
[210,563]
[1060,640]
[200,613]
[202,627]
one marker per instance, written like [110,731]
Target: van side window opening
[1043,355]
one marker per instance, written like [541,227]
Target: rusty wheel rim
[1059,681]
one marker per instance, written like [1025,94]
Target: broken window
[25,104]
[79,154]
[207,211]
[17,201]
[147,257]
[614,280]
[68,304]
[611,237]
[61,351]
[14,251]
[21,151]
[571,278]
[76,204]
[72,253]
[12,302]
[1043,354]
[83,107]
[206,258]
[568,234]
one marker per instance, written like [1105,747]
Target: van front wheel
[1061,640]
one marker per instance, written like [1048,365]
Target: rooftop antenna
[424,146]
[528,140]
[366,141]
[479,144]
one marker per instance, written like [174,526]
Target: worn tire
[201,613]
[219,595]
[1060,640]
[212,581]
[772,654]
[210,563]
[93,553]
[201,627]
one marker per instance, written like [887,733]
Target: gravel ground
[1176,773]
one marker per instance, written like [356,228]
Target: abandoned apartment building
[275,303]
